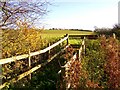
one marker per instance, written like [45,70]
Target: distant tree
[116,30]
[116,27]
[12,11]
[96,28]
[109,31]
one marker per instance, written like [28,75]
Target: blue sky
[82,14]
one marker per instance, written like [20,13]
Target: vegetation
[99,68]
[93,66]
[17,42]
[109,32]
[100,65]
[45,78]
[61,33]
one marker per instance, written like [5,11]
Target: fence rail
[71,61]
[14,58]
[91,36]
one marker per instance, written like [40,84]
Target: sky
[82,14]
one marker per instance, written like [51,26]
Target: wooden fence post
[67,39]
[114,36]
[29,62]
[84,46]
[80,51]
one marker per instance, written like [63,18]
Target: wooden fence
[71,61]
[30,54]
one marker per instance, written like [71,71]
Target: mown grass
[61,33]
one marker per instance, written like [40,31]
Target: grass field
[61,33]
[56,34]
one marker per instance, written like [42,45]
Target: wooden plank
[81,48]
[95,36]
[31,70]
[82,35]
[14,58]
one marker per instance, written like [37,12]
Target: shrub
[93,65]
[112,66]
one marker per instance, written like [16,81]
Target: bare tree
[12,11]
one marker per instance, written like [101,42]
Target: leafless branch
[13,11]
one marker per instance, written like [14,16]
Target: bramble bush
[112,65]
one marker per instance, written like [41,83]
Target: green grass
[51,35]
[75,41]
[61,33]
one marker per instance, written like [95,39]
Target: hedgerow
[100,65]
